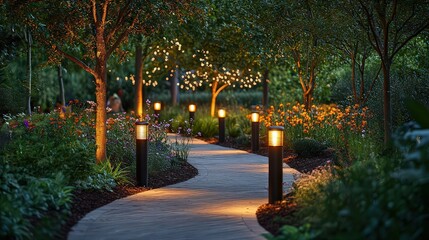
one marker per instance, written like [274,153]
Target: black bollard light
[142,133]
[255,131]
[221,116]
[157,109]
[192,108]
[275,162]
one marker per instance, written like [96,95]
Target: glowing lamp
[255,131]
[275,136]
[275,164]
[157,106]
[221,113]
[255,117]
[192,107]
[221,118]
[142,133]
[142,130]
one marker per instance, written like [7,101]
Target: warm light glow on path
[220,203]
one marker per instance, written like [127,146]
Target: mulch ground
[84,201]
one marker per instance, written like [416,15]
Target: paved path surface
[219,203]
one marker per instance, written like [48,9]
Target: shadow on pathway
[219,203]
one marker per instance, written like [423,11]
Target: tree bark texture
[215,93]
[139,82]
[29,40]
[61,85]
[265,89]
[174,89]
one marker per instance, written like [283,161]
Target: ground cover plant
[49,159]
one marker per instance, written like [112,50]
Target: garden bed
[84,201]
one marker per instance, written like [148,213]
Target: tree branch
[103,17]
[221,88]
[75,60]
[94,11]
[122,35]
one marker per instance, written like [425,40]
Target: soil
[273,216]
[84,201]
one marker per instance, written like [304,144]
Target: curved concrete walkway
[219,203]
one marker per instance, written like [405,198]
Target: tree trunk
[213,101]
[100,120]
[29,40]
[174,89]
[353,59]
[387,104]
[362,82]
[100,95]
[308,100]
[265,89]
[215,93]
[139,82]
[61,85]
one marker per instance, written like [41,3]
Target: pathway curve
[219,203]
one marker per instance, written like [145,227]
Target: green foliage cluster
[382,197]
[206,126]
[105,177]
[308,147]
[27,202]
[41,149]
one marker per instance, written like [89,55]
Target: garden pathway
[219,203]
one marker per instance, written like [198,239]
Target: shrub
[27,202]
[206,126]
[308,147]
[40,149]
[105,176]
[376,198]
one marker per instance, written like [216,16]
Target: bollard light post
[221,116]
[192,108]
[157,109]
[142,134]
[255,131]
[275,162]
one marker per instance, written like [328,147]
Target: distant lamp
[275,136]
[275,164]
[157,107]
[221,113]
[192,109]
[255,117]
[142,135]
[255,131]
[221,117]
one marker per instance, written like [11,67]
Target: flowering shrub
[343,128]
[353,117]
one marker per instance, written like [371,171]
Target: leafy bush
[308,147]
[206,126]
[41,150]
[105,177]
[27,202]
[378,198]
